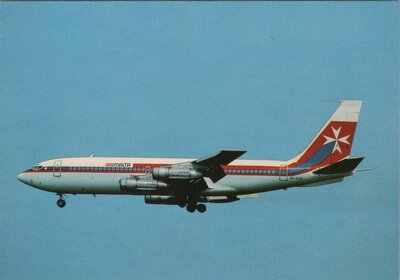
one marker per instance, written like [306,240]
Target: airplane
[219,178]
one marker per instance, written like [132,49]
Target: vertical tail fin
[333,143]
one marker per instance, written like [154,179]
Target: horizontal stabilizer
[344,166]
[363,169]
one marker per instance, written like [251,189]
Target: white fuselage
[102,175]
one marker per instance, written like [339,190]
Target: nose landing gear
[61,202]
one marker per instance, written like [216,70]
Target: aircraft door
[283,172]
[57,168]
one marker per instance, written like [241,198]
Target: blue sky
[186,80]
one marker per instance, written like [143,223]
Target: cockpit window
[37,167]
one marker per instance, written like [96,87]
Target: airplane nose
[22,177]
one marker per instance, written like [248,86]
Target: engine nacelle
[219,199]
[165,173]
[128,184]
[161,199]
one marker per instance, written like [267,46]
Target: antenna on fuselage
[91,155]
[330,101]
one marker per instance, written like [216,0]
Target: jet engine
[161,199]
[163,173]
[128,184]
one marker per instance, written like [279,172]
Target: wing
[211,166]
[192,173]
[224,157]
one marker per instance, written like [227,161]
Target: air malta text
[118,164]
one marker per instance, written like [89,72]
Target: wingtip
[235,150]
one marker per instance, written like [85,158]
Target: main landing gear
[191,207]
[61,202]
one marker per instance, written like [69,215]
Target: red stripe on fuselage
[346,129]
[274,170]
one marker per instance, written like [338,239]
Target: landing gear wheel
[201,208]
[191,208]
[182,204]
[61,203]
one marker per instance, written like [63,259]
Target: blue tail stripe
[319,156]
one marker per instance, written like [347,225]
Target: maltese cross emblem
[337,139]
